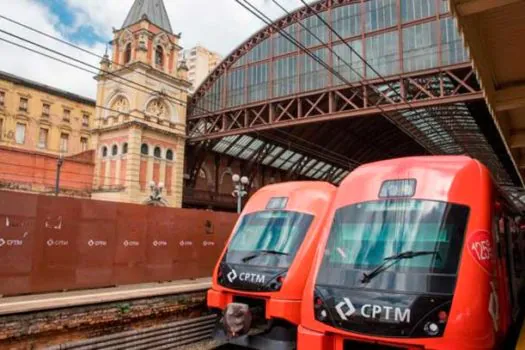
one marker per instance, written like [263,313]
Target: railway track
[166,336]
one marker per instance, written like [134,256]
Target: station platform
[49,301]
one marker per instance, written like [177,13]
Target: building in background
[200,62]
[37,117]
[38,125]
[139,134]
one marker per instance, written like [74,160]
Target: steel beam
[472,7]
[510,98]
[462,88]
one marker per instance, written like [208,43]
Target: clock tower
[140,130]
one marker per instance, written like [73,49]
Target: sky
[219,25]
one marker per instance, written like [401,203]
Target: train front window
[268,238]
[397,239]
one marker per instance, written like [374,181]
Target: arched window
[104,151]
[156,152]
[125,148]
[127,53]
[159,56]
[144,149]
[169,154]
[114,150]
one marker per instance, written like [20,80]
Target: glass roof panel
[251,149]
[322,172]
[282,158]
[270,157]
[315,169]
[223,144]
[291,162]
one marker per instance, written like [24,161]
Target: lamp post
[239,184]
[60,162]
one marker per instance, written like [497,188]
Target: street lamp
[239,184]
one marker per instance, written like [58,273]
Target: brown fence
[49,243]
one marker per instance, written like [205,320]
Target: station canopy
[393,87]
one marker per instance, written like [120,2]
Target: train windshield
[390,244]
[268,238]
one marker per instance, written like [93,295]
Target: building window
[383,54]
[64,141]
[347,20]
[104,151]
[42,138]
[420,47]
[380,14]
[20,135]
[125,148]
[156,152]
[453,50]
[2,98]
[67,115]
[85,120]
[46,109]
[159,56]
[415,9]
[114,150]
[169,154]
[23,104]
[144,149]
[127,53]
[83,144]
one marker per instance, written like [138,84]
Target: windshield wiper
[262,252]
[391,260]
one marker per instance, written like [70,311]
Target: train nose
[237,319]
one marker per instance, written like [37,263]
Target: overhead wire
[263,17]
[346,160]
[113,62]
[354,51]
[117,77]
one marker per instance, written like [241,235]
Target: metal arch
[258,37]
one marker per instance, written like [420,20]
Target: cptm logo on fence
[11,242]
[97,243]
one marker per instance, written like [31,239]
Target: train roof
[442,178]
[301,196]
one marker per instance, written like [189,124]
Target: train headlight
[431,328]
[434,324]
[276,283]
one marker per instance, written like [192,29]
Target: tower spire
[152,10]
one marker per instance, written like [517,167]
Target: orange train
[259,279]
[417,254]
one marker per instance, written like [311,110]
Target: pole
[239,198]
[60,160]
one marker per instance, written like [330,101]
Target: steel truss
[449,85]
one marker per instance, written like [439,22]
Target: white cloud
[220,25]
[33,66]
